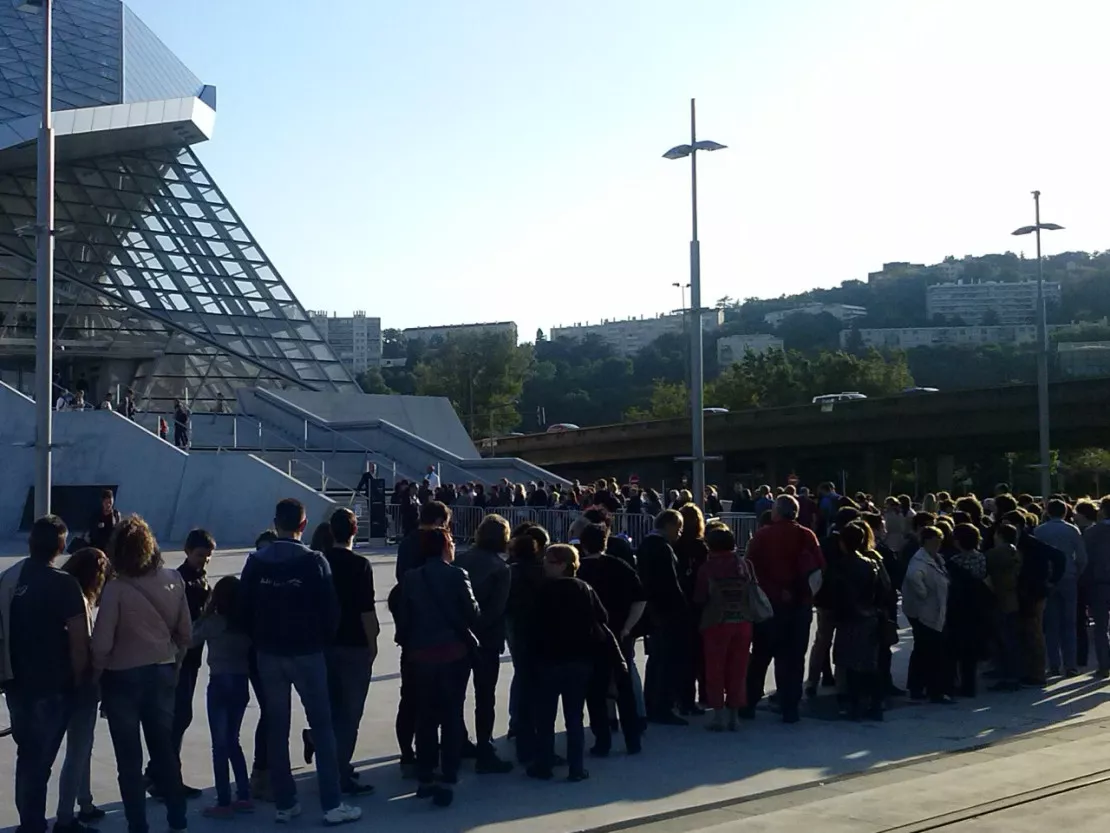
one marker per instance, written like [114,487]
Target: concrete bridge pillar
[876,472]
[946,472]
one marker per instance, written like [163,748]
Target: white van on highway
[830,398]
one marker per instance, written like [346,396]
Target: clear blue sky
[448,161]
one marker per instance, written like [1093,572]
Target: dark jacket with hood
[288,598]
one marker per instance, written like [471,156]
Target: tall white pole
[697,393]
[44,299]
[1042,364]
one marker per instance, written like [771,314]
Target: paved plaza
[767,777]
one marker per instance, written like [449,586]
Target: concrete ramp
[349,444]
[429,417]
[231,495]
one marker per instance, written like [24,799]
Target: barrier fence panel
[558,522]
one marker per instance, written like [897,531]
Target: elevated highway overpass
[864,435]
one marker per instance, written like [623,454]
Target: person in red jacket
[787,562]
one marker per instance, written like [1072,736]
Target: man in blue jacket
[290,608]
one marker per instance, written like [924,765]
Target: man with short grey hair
[785,555]
[786,508]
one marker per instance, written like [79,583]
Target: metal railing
[558,522]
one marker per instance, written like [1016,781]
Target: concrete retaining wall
[232,495]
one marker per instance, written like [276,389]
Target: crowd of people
[1006,580]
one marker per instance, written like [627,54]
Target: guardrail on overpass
[1000,418]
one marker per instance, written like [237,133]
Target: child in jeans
[228,696]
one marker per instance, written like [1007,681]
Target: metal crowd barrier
[557,522]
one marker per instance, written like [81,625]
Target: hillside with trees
[494,383]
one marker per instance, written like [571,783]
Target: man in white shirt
[433,478]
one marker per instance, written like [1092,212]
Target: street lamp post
[682,287]
[44,274]
[697,371]
[1045,454]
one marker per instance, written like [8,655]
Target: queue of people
[1004,580]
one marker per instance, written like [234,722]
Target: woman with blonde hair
[91,569]
[140,635]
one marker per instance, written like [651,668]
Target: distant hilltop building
[731,349]
[907,338]
[630,335]
[841,312]
[431,335]
[355,339]
[998,302]
[895,270]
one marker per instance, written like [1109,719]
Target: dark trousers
[1082,626]
[487,669]
[524,681]
[405,725]
[1099,601]
[667,646]
[693,667]
[439,690]
[783,638]
[930,670]
[569,681]
[602,680]
[1007,648]
[261,762]
[143,698]
[38,726]
[865,691]
[349,673]
[964,651]
[227,699]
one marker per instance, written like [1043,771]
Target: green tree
[669,400]
[371,381]
[482,375]
[393,344]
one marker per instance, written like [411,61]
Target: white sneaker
[286,816]
[343,814]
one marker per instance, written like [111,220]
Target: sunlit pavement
[680,769]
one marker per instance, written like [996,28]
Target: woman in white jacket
[925,603]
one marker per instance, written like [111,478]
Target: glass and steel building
[159,285]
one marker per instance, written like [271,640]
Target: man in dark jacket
[488,569]
[433,515]
[103,522]
[290,609]
[669,615]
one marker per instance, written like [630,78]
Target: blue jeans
[637,682]
[1059,624]
[38,726]
[308,674]
[228,696]
[74,784]
[144,698]
[570,681]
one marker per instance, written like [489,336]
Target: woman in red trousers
[726,638]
